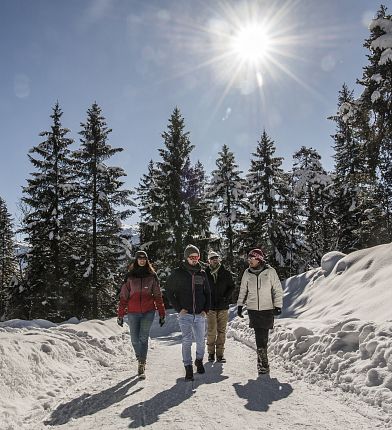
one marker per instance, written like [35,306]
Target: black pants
[261,337]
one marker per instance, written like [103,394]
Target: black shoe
[211,357]
[262,361]
[199,365]
[189,373]
[221,359]
[141,369]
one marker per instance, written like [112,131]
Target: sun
[251,44]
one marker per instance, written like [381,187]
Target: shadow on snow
[148,412]
[260,393]
[89,404]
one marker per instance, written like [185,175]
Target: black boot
[211,357]
[262,361]
[199,365]
[141,369]
[189,373]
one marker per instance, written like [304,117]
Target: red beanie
[258,254]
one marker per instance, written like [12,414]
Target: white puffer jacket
[261,292]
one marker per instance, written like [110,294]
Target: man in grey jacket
[262,293]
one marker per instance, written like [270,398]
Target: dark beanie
[191,249]
[258,254]
[141,254]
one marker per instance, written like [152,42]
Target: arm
[207,293]
[171,293]
[243,290]
[230,286]
[124,297]
[157,294]
[277,290]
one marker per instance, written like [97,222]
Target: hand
[183,311]
[203,314]
[161,321]
[120,321]
[277,311]
[239,311]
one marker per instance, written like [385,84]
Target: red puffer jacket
[141,295]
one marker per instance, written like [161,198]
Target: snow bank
[358,285]
[39,360]
[352,355]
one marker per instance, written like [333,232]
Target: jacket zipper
[193,294]
[141,289]
[258,299]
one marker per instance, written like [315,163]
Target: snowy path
[228,396]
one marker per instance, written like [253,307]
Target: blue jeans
[196,325]
[139,328]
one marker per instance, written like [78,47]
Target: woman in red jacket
[140,297]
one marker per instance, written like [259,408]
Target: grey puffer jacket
[261,292]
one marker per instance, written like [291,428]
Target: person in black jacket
[189,293]
[222,286]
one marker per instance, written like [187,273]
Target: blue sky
[140,59]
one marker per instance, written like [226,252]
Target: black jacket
[188,290]
[222,290]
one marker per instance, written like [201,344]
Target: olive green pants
[216,334]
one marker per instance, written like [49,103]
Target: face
[214,261]
[253,262]
[141,261]
[193,259]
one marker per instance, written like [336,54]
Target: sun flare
[251,44]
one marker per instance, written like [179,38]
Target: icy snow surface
[331,364]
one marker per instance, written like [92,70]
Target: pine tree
[150,207]
[48,222]
[268,191]
[199,207]
[312,187]
[226,192]
[174,218]
[354,188]
[8,264]
[99,221]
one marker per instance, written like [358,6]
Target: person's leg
[185,322]
[134,329]
[222,318]
[211,333]
[199,329]
[144,333]
[261,343]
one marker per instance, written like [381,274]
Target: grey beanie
[191,249]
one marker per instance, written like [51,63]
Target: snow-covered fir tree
[376,99]
[48,223]
[150,207]
[313,190]
[8,263]
[172,181]
[349,169]
[200,209]
[226,192]
[103,205]
[267,194]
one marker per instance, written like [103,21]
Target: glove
[161,321]
[239,311]
[120,321]
[277,311]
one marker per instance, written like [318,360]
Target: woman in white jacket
[262,293]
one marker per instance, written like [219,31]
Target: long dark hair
[135,266]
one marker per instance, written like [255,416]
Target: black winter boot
[199,365]
[262,361]
[141,369]
[189,373]
[211,357]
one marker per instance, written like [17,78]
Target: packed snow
[330,354]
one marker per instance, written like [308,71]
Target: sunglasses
[141,258]
[214,258]
[194,257]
